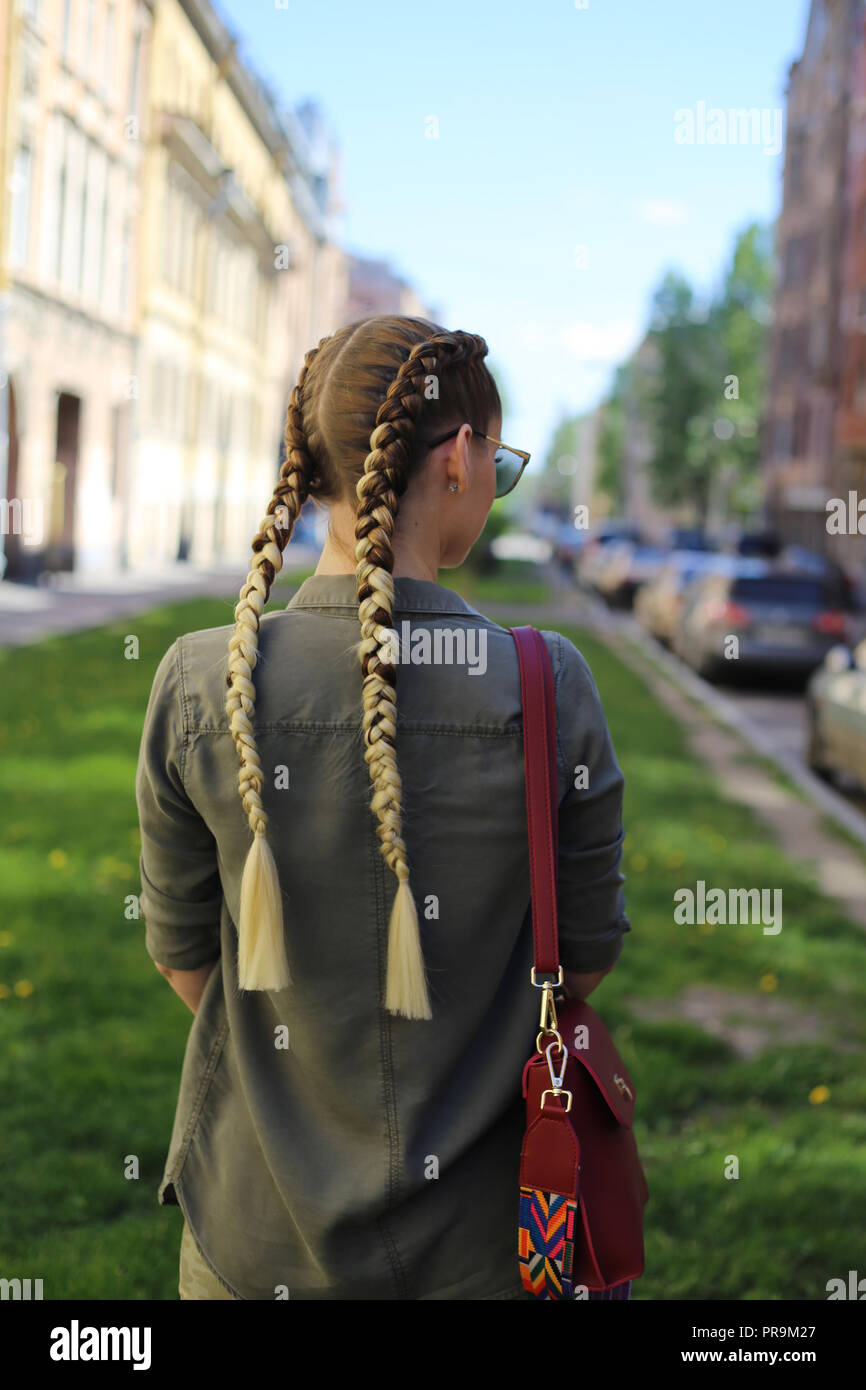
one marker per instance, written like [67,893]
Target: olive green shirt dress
[322,1148]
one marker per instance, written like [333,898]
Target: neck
[412,559]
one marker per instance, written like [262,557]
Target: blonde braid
[262,960]
[379,489]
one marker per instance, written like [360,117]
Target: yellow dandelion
[818,1095]
[23,988]
[676,860]
[4,991]
[706,928]
[638,862]
[6,938]
[57,859]
[769,982]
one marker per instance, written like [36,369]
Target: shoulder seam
[184,708]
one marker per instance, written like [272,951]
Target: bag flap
[589,1043]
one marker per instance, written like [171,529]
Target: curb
[589,612]
[830,801]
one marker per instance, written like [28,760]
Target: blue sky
[556,193]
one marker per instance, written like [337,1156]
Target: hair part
[356,422]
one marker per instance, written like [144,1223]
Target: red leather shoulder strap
[542,801]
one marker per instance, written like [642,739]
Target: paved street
[774,720]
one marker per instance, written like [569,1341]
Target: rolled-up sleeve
[592,920]
[181,892]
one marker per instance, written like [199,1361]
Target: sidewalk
[73,602]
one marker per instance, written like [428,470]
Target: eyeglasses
[510,463]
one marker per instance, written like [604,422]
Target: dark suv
[781,620]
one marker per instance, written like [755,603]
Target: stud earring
[453,488]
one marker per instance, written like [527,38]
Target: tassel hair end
[406,989]
[262,960]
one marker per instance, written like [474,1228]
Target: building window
[20,229]
[782,438]
[795,171]
[118,423]
[86,197]
[159,386]
[67,25]
[787,350]
[789,266]
[124,265]
[818,339]
[62,182]
[133,76]
[109,47]
[167,239]
[29,74]
[88,36]
[194,225]
[103,232]
[800,437]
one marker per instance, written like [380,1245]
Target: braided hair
[344,439]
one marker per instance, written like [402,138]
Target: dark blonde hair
[366,399]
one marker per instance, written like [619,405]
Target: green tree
[681,397]
[708,390]
[742,315]
[554,486]
[610,477]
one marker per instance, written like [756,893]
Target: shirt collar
[410,595]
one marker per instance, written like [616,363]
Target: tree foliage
[709,385]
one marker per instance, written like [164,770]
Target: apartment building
[168,253]
[72,155]
[239,277]
[812,419]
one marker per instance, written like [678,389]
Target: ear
[458,464]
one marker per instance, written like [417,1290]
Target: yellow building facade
[239,278]
[72,100]
[167,255]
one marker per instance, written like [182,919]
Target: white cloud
[662,213]
[599,343]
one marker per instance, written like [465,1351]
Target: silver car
[836,714]
[773,620]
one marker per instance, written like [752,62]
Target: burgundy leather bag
[582,1186]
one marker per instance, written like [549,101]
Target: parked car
[659,602]
[568,541]
[689,538]
[592,552]
[545,522]
[836,713]
[624,566]
[783,621]
[521,545]
[757,544]
[310,530]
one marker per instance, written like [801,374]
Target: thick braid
[262,960]
[379,490]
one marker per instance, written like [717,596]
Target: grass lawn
[92,1039]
